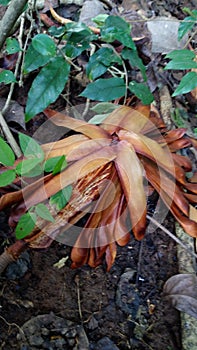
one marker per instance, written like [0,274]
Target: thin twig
[5,108]
[13,12]
[12,325]
[78,297]
[177,240]
[9,136]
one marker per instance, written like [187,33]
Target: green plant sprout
[33,165]
[54,54]
[185,59]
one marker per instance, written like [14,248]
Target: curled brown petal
[131,177]
[90,130]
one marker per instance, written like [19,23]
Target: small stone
[164,33]
[36,340]
[127,297]
[105,344]
[44,331]
[71,333]
[75,2]
[91,9]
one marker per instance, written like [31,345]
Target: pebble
[127,297]
[52,333]
[105,344]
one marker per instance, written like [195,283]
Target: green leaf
[37,170]
[47,86]
[135,60]
[100,19]
[44,45]
[61,198]
[98,118]
[116,28]
[181,60]
[57,32]
[4,2]
[78,33]
[186,25]
[100,61]
[25,225]
[104,107]
[50,163]
[42,211]
[12,46]
[74,50]
[61,165]
[105,89]
[26,166]
[181,54]
[7,77]
[142,92]
[187,84]
[7,177]
[30,147]
[34,60]
[7,156]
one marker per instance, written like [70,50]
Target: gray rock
[164,32]
[68,2]
[127,297]
[91,9]
[105,344]
[38,332]
[36,340]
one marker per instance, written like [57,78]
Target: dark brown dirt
[149,323]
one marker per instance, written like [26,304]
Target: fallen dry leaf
[181,290]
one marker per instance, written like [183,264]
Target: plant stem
[177,240]
[9,136]
[13,12]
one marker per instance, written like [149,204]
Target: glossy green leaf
[142,92]
[34,60]
[74,50]
[61,165]
[187,84]
[50,164]
[135,60]
[12,46]
[181,60]
[47,86]
[181,54]
[25,225]
[116,28]
[105,89]
[100,19]
[61,198]
[44,45]
[57,32]
[100,61]
[7,77]
[7,156]
[37,170]
[42,211]
[7,177]
[78,33]
[26,166]
[4,2]
[104,107]
[30,147]
[186,25]
[98,118]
